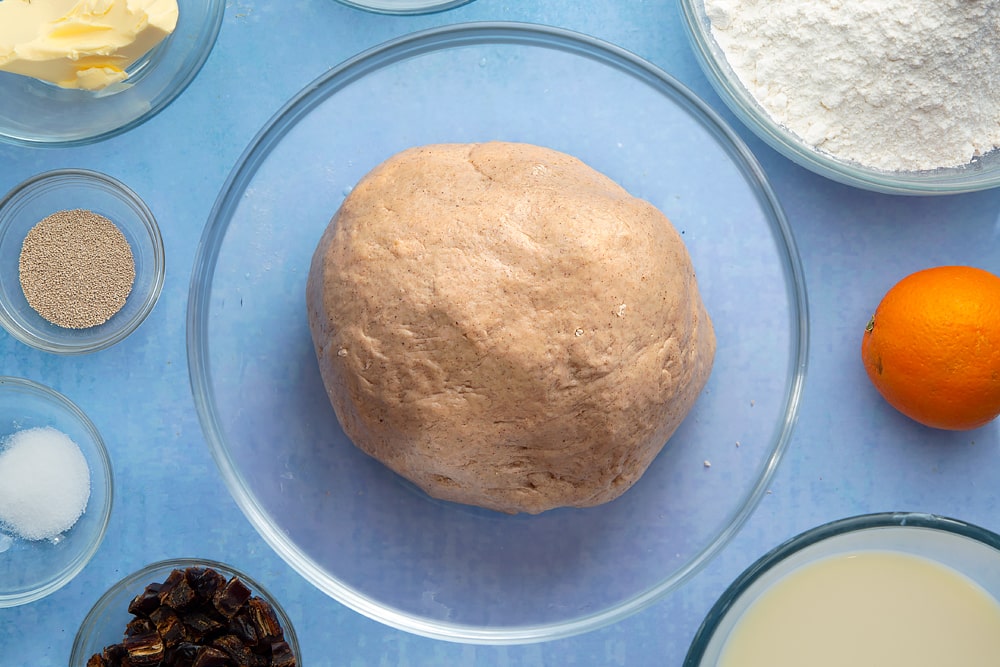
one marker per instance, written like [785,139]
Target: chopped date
[176,592]
[198,626]
[239,652]
[144,650]
[231,597]
[211,657]
[281,655]
[182,655]
[198,618]
[144,603]
[168,625]
[243,627]
[114,654]
[139,626]
[265,621]
[205,581]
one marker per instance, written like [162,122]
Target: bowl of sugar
[81,261]
[891,96]
[55,491]
[896,588]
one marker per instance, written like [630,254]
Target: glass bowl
[32,569]
[65,189]
[404,6]
[105,623]
[359,532]
[966,550]
[37,113]
[980,174]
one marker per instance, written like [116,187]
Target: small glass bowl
[404,6]
[105,624]
[63,189]
[37,113]
[32,569]
[970,551]
[981,174]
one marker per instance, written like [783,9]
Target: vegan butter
[84,44]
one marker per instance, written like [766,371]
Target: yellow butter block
[81,43]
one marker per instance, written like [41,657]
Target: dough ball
[505,326]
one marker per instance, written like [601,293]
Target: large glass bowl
[37,113]
[373,541]
[981,174]
[970,551]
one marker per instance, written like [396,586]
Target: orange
[932,348]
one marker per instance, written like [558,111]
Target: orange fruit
[932,348]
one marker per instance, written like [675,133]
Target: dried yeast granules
[76,268]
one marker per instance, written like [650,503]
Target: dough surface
[505,326]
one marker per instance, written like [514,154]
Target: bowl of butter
[78,72]
[900,588]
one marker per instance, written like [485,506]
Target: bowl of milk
[897,588]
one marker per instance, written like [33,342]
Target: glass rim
[388,53]
[114,188]
[184,67]
[853,524]
[404,7]
[943,181]
[104,461]
[140,577]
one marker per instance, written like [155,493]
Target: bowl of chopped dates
[186,612]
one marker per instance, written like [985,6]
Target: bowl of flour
[898,96]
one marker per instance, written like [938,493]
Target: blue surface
[850,453]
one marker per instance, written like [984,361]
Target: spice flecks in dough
[480,298]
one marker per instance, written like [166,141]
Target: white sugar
[44,483]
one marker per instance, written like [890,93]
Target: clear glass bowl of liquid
[891,588]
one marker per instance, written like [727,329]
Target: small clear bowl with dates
[244,609]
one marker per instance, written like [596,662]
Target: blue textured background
[850,452]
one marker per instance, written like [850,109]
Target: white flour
[899,85]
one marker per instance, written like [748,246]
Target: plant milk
[868,609]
